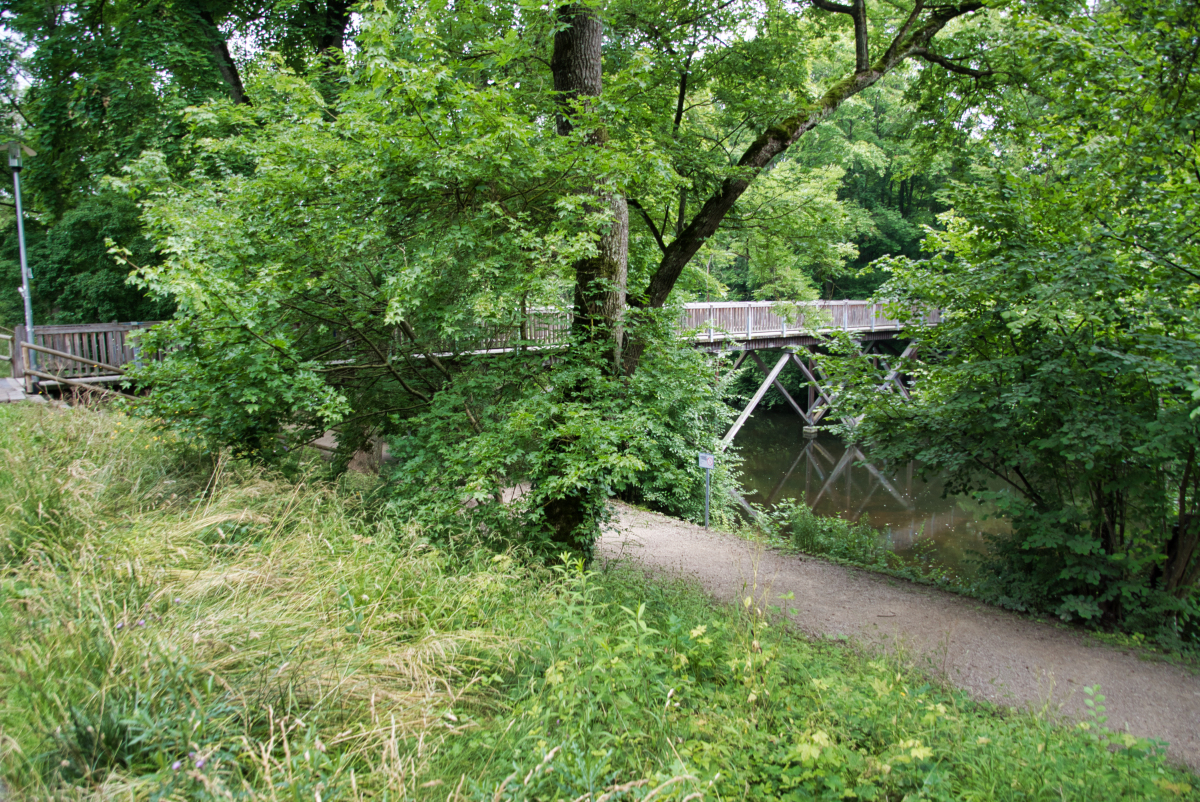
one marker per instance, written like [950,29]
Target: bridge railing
[747,320]
[725,320]
[87,351]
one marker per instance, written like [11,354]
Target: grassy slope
[172,631]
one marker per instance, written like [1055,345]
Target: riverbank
[992,654]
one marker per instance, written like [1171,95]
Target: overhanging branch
[949,64]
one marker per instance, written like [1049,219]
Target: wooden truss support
[779,386]
[816,412]
[758,394]
[821,400]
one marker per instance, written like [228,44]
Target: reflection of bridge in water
[838,480]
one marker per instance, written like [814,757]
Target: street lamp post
[14,164]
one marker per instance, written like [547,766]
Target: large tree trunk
[600,280]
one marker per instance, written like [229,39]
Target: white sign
[706,460]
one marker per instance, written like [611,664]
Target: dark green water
[779,462]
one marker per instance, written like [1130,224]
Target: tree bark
[600,280]
[225,65]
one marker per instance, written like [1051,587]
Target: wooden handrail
[75,357]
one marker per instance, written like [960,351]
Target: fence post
[18,353]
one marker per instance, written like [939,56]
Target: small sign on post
[707,462]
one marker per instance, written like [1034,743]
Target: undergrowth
[796,526]
[179,628]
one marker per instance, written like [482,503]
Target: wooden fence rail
[732,321]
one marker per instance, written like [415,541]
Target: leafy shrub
[835,537]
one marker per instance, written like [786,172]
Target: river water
[836,480]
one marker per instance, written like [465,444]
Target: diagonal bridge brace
[758,394]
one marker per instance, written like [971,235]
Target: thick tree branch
[225,64]
[777,139]
[681,100]
[858,12]
[902,34]
[862,56]
[836,8]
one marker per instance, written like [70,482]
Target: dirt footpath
[993,654]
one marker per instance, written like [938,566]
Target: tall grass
[169,621]
[175,628]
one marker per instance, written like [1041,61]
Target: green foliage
[321,649]
[834,537]
[632,437]
[368,320]
[790,233]
[91,86]
[75,279]
[1061,365]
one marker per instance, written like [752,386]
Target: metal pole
[707,490]
[14,162]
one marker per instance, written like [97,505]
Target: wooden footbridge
[751,327]
[92,356]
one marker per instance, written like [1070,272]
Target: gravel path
[992,654]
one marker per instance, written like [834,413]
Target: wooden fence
[91,353]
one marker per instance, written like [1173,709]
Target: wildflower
[141,622]
[200,763]
[120,625]
[176,765]
[179,601]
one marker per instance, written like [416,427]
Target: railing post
[749,317]
[710,325]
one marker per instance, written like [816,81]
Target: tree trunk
[600,280]
[225,64]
